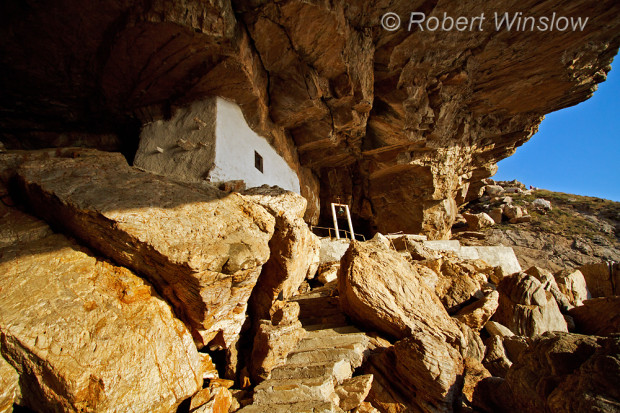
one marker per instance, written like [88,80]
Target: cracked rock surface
[399,124]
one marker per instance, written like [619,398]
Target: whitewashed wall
[235,144]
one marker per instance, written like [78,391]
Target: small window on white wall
[258,161]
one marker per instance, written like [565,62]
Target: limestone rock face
[562,372]
[526,308]
[202,250]
[599,316]
[294,248]
[183,147]
[418,117]
[84,334]
[380,289]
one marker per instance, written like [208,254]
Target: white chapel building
[210,140]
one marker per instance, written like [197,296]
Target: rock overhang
[343,100]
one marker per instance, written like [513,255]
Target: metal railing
[331,232]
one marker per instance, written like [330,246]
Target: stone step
[323,341]
[318,310]
[329,329]
[303,407]
[336,320]
[324,305]
[288,391]
[352,353]
[340,370]
[326,357]
[310,325]
[328,290]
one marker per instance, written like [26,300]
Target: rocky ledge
[399,124]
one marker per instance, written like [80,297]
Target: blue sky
[577,149]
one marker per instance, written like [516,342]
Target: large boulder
[496,214]
[332,249]
[598,316]
[513,211]
[201,248]
[458,281]
[382,290]
[294,248]
[602,279]
[492,395]
[526,308]
[515,345]
[542,205]
[428,368]
[382,393]
[562,372]
[573,285]
[549,283]
[495,256]
[419,373]
[412,244]
[476,222]
[493,190]
[84,334]
[219,400]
